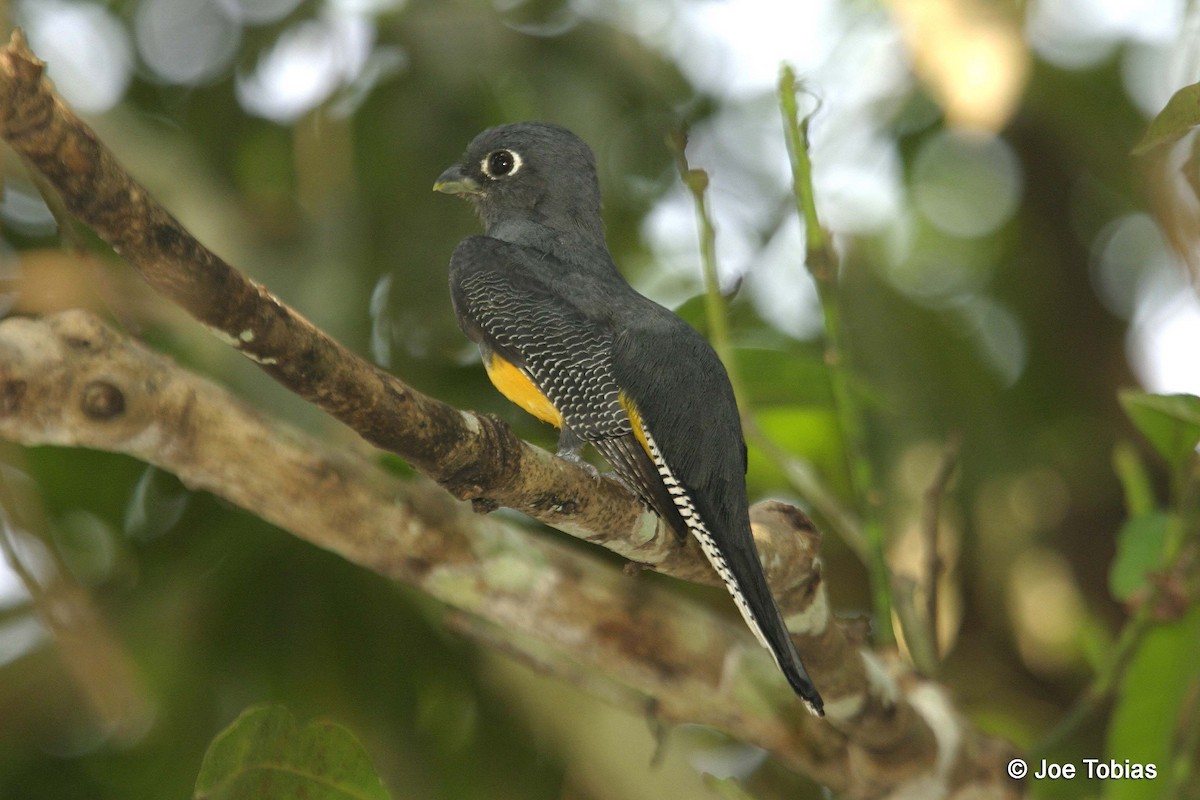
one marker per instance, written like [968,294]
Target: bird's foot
[571,456]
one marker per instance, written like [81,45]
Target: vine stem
[822,263]
[823,504]
[717,318]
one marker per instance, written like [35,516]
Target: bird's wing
[565,353]
[504,305]
[681,392]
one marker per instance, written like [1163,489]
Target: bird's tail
[741,570]
[797,676]
[732,553]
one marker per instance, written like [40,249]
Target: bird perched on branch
[564,336]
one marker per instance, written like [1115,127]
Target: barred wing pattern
[568,358]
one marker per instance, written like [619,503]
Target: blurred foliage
[265,754]
[1006,336]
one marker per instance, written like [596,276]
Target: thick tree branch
[70,380]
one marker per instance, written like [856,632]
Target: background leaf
[1170,421]
[1139,552]
[265,755]
[1181,114]
[1159,682]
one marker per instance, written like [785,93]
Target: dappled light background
[1007,267]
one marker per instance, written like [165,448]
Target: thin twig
[822,263]
[94,659]
[825,506]
[931,513]
[716,315]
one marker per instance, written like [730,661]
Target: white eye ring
[496,170]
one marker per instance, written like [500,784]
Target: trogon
[564,336]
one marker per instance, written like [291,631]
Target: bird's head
[529,172]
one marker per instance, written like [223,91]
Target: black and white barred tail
[765,622]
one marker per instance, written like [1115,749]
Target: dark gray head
[529,172]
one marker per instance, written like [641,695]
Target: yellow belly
[516,386]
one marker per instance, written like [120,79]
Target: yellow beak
[452,181]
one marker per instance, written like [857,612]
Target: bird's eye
[500,163]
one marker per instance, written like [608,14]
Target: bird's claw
[571,456]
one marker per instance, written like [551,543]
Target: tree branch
[71,380]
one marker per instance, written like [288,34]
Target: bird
[565,337]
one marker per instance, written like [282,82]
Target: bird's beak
[452,181]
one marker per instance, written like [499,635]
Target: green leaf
[1171,422]
[395,465]
[806,431]
[774,368]
[1155,691]
[1135,480]
[1140,545]
[778,377]
[1181,114]
[265,755]
[727,788]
